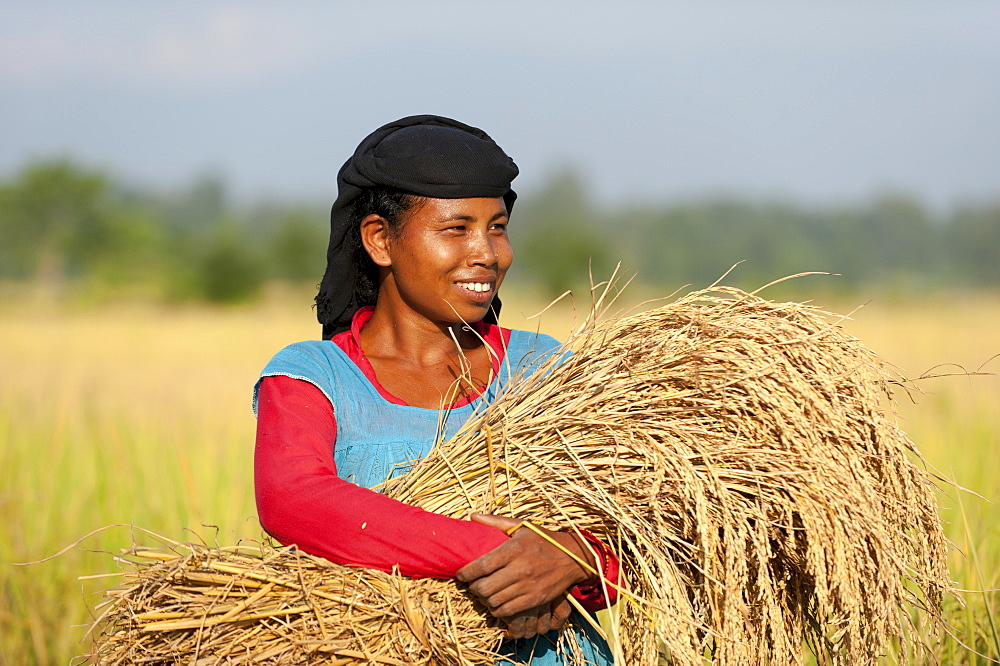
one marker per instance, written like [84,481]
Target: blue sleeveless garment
[378,440]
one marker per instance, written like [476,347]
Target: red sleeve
[301,500]
[591,595]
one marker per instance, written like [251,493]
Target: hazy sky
[811,100]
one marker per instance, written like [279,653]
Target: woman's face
[449,258]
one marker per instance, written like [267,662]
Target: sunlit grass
[142,416]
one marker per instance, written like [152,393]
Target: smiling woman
[411,350]
[442,268]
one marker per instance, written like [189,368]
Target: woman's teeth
[475,286]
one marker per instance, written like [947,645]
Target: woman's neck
[423,363]
[407,335]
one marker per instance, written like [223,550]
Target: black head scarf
[429,156]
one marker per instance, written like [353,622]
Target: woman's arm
[301,500]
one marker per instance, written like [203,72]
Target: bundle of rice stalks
[734,451]
[189,604]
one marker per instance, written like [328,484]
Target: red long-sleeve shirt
[302,500]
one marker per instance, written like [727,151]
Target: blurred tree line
[64,224]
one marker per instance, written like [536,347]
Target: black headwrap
[428,156]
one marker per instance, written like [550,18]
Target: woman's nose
[481,250]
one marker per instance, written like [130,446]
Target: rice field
[139,415]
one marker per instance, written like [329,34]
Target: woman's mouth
[478,287]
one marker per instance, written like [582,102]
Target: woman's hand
[519,580]
[538,620]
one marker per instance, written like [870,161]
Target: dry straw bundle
[194,605]
[736,453]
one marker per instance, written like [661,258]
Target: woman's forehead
[471,208]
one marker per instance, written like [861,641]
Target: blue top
[378,440]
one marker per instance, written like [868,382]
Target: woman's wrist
[583,553]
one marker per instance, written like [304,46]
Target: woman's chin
[470,312]
[474,298]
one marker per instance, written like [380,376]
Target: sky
[810,101]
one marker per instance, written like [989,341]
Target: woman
[418,250]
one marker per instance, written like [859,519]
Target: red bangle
[600,563]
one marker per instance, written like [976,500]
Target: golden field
[140,415]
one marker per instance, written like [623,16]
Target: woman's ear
[375,238]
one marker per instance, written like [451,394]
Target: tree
[229,271]
[556,239]
[55,220]
[975,245]
[297,248]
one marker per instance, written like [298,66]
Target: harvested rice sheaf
[189,604]
[736,452]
